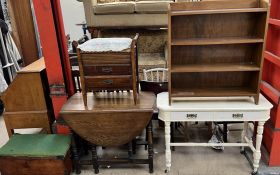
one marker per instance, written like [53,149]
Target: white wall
[73,13]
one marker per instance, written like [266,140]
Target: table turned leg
[257,152]
[167,146]
[150,147]
[94,159]
[243,135]
[75,153]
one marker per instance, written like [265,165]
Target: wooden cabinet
[216,48]
[27,100]
[110,70]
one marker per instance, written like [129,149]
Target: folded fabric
[107,45]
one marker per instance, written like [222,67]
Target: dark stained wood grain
[108,69]
[35,166]
[112,71]
[109,82]
[110,119]
[214,4]
[216,48]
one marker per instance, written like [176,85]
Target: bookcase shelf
[215,41]
[214,68]
[216,55]
[219,11]
[218,92]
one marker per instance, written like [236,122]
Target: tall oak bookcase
[216,48]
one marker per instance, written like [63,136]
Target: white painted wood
[257,152]
[244,134]
[209,144]
[214,104]
[158,72]
[167,144]
[191,116]
[241,109]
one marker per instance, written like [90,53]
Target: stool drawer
[107,70]
[105,58]
[109,82]
[191,116]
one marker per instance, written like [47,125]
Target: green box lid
[36,145]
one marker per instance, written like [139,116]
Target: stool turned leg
[150,147]
[94,159]
[76,158]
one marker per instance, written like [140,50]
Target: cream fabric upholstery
[152,6]
[114,8]
[99,16]
[130,20]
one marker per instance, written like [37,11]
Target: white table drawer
[240,116]
[191,116]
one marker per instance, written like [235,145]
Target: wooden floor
[185,160]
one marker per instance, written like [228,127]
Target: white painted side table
[212,109]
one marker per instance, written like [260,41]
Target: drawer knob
[191,116]
[108,82]
[237,115]
[107,69]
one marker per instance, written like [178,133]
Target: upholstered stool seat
[36,154]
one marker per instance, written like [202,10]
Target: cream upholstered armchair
[128,13]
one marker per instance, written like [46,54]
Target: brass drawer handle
[237,116]
[191,116]
[107,69]
[108,82]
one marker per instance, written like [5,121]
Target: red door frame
[53,42]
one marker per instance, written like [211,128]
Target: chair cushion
[151,6]
[36,145]
[107,45]
[115,8]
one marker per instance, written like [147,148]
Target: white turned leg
[244,134]
[167,146]
[257,153]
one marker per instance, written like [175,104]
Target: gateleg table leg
[150,147]
[75,152]
[257,152]
[167,146]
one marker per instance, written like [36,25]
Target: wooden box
[36,155]
[216,48]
